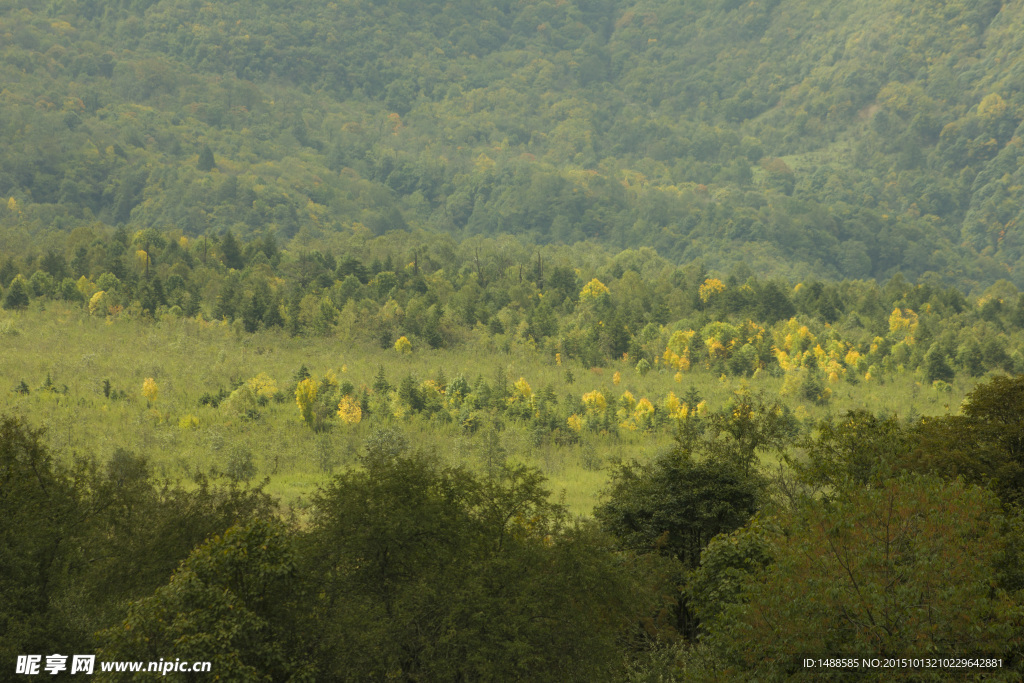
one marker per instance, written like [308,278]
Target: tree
[779,176]
[677,504]
[232,603]
[896,570]
[427,573]
[252,314]
[349,410]
[39,507]
[139,531]
[970,358]
[746,427]
[226,300]
[812,387]
[774,304]
[403,345]
[380,381]
[985,445]
[935,366]
[206,161]
[594,293]
[150,390]
[231,252]
[305,396]
[16,296]
[674,507]
[272,314]
[858,450]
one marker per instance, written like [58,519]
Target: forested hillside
[426,340]
[835,139]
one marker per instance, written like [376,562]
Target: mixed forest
[512,340]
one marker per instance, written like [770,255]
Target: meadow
[82,378]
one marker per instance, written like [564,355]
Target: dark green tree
[16,296]
[227,299]
[860,449]
[935,365]
[233,602]
[748,426]
[427,573]
[40,509]
[673,508]
[380,381]
[894,569]
[272,314]
[984,445]
[970,358]
[252,314]
[206,161]
[231,252]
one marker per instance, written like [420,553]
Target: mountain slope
[836,139]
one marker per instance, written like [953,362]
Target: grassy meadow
[55,363]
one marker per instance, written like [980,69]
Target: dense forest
[836,140]
[512,340]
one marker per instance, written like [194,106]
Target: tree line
[590,307]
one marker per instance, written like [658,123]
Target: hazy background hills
[829,139]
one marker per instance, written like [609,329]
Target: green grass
[188,358]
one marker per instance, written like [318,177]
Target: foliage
[150,390]
[765,135]
[230,603]
[39,508]
[985,444]
[859,450]
[747,426]
[800,208]
[901,569]
[82,540]
[674,507]
[16,295]
[427,572]
[349,411]
[403,345]
[305,394]
[677,504]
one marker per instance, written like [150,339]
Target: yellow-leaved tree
[150,389]
[710,288]
[903,325]
[262,386]
[678,350]
[522,388]
[97,303]
[594,291]
[349,410]
[595,403]
[403,345]
[305,397]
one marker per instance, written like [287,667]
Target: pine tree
[225,308]
[272,316]
[206,160]
[380,382]
[294,310]
[17,294]
[231,253]
[252,314]
[935,365]
[8,270]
